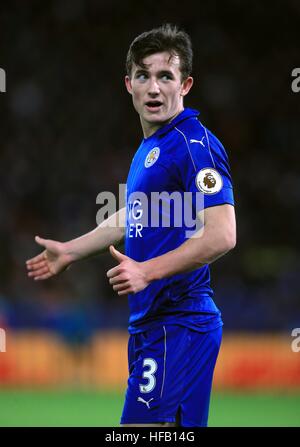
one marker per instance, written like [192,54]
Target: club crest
[152,157]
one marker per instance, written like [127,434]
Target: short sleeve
[204,168]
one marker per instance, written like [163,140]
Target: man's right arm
[111,231]
[58,256]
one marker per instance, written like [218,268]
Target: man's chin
[156,118]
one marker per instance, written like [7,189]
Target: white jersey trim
[187,147]
[208,143]
[165,358]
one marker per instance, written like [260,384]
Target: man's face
[157,90]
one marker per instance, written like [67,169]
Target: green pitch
[95,408]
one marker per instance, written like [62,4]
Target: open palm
[50,262]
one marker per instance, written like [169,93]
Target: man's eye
[166,77]
[141,77]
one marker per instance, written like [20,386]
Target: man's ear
[128,84]
[186,85]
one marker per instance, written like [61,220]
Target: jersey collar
[185,114]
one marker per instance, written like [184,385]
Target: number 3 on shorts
[149,375]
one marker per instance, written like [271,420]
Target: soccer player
[175,327]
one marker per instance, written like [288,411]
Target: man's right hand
[50,262]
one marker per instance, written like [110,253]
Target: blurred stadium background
[68,132]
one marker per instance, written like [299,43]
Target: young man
[175,328]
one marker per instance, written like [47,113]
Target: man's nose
[153,87]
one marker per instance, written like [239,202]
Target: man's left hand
[127,277]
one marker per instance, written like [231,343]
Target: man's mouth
[153,105]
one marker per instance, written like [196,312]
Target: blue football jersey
[179,170]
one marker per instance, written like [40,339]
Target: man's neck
[150,128]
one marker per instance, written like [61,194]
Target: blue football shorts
[170,376]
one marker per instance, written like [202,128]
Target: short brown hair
[165,38]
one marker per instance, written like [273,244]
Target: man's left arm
[216,238]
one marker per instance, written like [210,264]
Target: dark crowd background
[69,131]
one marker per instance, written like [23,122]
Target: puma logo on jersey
[198,141]
[140,399]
